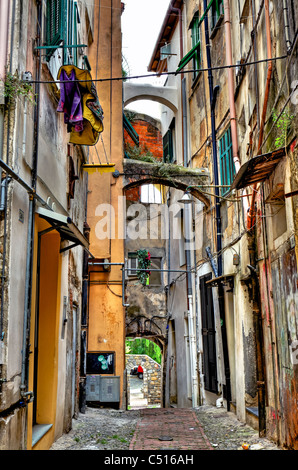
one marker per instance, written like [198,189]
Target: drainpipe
[191,331]
[287,27]
[251,248]
[4,20]
[251,212]
[188,220]
[213,94]
[31,218]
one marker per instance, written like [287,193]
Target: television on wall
[100,363]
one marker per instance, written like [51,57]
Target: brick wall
[150,140]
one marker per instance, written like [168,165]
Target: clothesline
[207,69]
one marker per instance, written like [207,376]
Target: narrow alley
[165,429]
[148,226]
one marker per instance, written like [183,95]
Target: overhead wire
[205,69]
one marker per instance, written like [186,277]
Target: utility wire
[220,67]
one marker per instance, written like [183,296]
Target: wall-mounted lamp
[186,199]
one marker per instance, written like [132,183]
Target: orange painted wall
[106,316]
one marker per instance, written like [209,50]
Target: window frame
[227,165]
[54,10]
[196,44]
[66,15]
[216,12]
[150,284]
[168,144]
[132,256]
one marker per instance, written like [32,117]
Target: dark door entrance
[208,333]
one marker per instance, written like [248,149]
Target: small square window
[155,276]
[132,264]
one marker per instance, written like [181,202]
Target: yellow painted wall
[49,310]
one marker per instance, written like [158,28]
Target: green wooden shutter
[70,55]
[54,22]
[61,25]
[197,45]
[168,147]
[216,12]
[227,166]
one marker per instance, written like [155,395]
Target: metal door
[208,334]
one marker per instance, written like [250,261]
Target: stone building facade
[152,378]
[235,66]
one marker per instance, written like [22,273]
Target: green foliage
[145,346]
[140,152]
[283,124]
[143,263]
[14,87]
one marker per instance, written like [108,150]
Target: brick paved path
[181,426]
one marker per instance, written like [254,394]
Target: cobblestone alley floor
[205,428]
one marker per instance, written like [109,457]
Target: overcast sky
[141,22]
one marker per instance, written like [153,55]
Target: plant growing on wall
[283,124]
[144,263]
[14,87]
[139,153]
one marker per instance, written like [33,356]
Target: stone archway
[137,173]
[164,95]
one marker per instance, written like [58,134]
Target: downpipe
[191,331]
[31,224]
[252,209]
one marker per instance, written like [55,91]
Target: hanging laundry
[70,101]
[92,112]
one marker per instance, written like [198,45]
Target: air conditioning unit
[103,389]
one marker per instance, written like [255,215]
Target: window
[169,144]
[168,147]
[132,264]
[195,52]
[62,18]
[216,12]
[227,167]
[155,276]
[54,21]
[196,44]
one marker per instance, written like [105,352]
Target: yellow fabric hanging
[92,111]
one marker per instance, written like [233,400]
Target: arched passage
[164,95]
[144,365]
[137,173]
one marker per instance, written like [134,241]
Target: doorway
[144,386]
[208,335]
[46,328]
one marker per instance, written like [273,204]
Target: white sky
[141,22]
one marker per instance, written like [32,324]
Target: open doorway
[144,373]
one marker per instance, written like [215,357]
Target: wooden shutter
[208,335]
[54,22]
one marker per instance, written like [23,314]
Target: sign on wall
[100,363]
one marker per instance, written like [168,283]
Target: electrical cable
[205,69]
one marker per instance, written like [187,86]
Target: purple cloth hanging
[70,101]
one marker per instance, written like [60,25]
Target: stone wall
[152,381]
